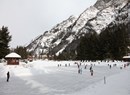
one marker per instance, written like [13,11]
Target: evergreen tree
[5,38]
[120,42]
[22,51]
[88,47]
[112,43]
[105,43]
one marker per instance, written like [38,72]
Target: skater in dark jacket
[91,72]
[8,76]
[90,68]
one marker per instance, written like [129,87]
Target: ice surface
[46,78]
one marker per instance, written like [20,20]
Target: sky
[27,19]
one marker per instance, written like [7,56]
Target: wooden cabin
[12,58]
[126,58]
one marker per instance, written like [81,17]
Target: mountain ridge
[65,35]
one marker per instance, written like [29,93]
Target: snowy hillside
[63,37]
[51,38]
[46,78]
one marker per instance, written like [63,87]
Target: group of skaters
[121,67]
[59,65]
[85,67]
[79,65]
[125,65]
[66,65]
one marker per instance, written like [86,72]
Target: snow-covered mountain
[64,37]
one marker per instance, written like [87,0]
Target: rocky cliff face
[65,35]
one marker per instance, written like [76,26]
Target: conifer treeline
[5,38]
[22,51]
[112,43]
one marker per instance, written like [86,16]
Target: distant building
[12,59]
[30,58]
[126,58]
[44,56]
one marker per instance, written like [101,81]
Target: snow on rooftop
[13,55]
[126,57]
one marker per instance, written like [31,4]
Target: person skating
[8,76]
[91,72]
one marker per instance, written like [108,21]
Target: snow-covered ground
[46,78]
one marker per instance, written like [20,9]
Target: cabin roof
[126,57]
[13,55]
